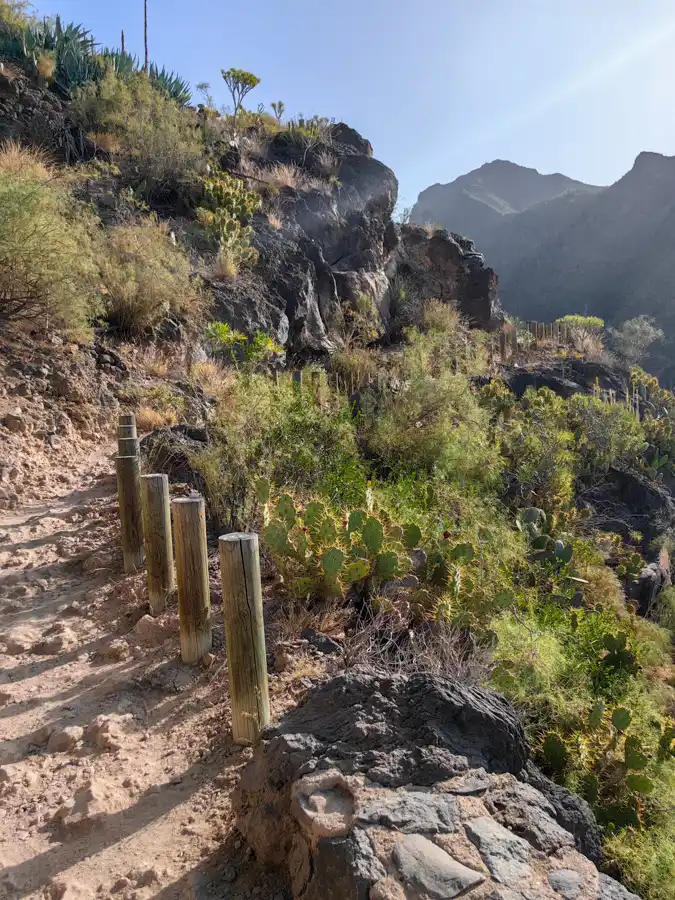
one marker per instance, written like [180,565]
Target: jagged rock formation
[395,788]
[560,246]
[340,246]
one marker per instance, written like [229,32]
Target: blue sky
[438,86]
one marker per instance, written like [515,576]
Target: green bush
[152,139]
[226,213]
[48,270]
[278,433]
[146,278]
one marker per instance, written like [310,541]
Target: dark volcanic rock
[575,376]
[626,501]
[363,788]
[168,450]
[441,268]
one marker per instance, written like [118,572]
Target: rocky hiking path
[116,762]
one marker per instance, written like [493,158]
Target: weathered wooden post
[128,446]
[245,636]
[514,340]
[192,576]
[128,470]
[502,345]
[276,377]
[316,387]
[157,534]
[297,379]
[126,425]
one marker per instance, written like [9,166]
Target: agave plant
[171,84]
[124,65]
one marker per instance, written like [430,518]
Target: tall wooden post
[192,576]
[502,345]
[276,378]
[245,636]
[157,534]
[297,379]
[131,522]
[128,446]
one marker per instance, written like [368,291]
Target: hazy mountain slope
[606,251]
[477,202]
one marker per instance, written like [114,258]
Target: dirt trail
[115,759]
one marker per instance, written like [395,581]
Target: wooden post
[316,387]
[157,533]
[245,636]
[276,378]
[514,341]
[127,420]
[297,379]
[192,576]
[129,497]
[502,345]
[128,446]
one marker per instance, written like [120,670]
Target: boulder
[408,787]
[168,450]
[349,137]
[573,376]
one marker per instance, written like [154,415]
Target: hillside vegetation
[445,521]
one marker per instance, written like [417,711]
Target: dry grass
[356,361]
[107,141]
[215,380]
[274,220]
[148,419]
[328,164]
[29,162]
[604,589]
[432,227]
[286,175]
[387,644]
[225,267]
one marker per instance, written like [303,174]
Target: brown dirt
[116,761]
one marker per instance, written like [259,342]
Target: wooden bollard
[157,535]
[297,379]
[192,576]
[316,387]
[276,377]
[245,636]
[502,345]
[131,521]
[128,446]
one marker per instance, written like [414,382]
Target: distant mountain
[562,246]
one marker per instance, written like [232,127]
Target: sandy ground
[116,761]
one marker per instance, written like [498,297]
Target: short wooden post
[276,378]
[157,534]
[502,345]
[316,387]
[514,340]
[192,576]
[129,497]
[297,379]
[245,636]
[128,446]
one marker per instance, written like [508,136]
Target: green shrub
[431,425]
[48,272]
[585,331]
[605,434]
[633,338]
[146,278]
[154,141]
[278,433]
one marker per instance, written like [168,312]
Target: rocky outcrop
[395,788]
[339,246]
[565,378]
[446,267]
[35,115]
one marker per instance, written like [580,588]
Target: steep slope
[478,202]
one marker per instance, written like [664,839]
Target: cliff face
[342,246]
[604,251]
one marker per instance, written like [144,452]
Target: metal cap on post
[245,636]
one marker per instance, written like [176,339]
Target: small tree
[633,338]
[279,108]
[240,83]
